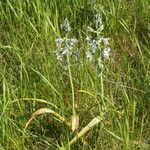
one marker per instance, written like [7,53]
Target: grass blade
[43,111]
[94,122]
[45,80]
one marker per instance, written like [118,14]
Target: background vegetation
[29,72]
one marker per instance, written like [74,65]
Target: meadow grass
[39,96]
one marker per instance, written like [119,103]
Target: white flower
[106,41]
[90,29]
[89,38]
[99,39]
[65,26]
[59,41]
[65,50]
[106,52]
[72,41]
[59,55]
[100,27]
[89,55]
[98,22]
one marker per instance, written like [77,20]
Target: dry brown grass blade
[75,123]
[94,122]
[47,110]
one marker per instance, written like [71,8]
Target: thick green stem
[72,86]
[102,90]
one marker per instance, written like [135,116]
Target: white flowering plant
[66,46]
[98,49]
[98,46]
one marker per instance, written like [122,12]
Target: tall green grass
[32,78]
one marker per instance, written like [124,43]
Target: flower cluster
[65,26]
[66,45]
[97,44]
